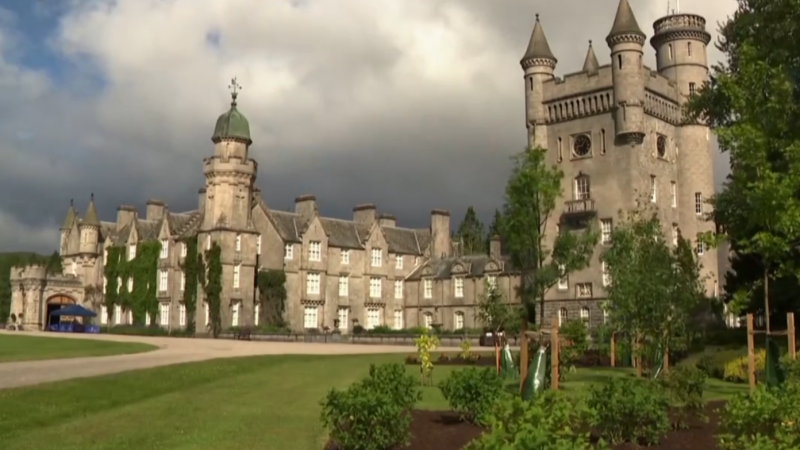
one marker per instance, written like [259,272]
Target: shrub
[472,392]
[767,419]
[358,330]
[711,366]
[791,367]
[576,334]
[736,369]
[373,414]
[685,385]
[551,420]
[630,410]
[466,347]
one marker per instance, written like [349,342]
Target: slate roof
[474,266]
[180,225]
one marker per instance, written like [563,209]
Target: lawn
[269,403]
[30,348]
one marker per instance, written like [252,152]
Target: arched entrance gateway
[53,303]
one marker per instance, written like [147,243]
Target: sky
[408,104]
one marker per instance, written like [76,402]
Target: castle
[615,130]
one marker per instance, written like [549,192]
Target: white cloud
[412,104]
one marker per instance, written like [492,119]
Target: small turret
[90,229]
[626,41]
[539,64]
[590,64]
[66,227]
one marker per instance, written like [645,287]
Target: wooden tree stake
[613,349]
[751,354]
[523,356]
[554,349]
[790,331]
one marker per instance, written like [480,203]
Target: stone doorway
[53,303]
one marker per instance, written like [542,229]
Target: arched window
[562,316]
[458,320]
[585,315]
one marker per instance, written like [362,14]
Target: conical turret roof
[69,220]
[625,22]
[538,48]
[91,215]
[590,63]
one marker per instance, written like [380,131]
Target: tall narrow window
[698,203]
[606,227]
[669,50]
[582,188]
[689,49]
[602,142]
[559,156]
[376,257]
[237,270]
[315,251]
[375,287]
[163,278]
[427,288]
[345,257]
[398,289]
[701,248]
[692,88]
[653,189]
[459,287]
[562,316]
[288,251]
[619,61]
[563,282]
[238,242]
[344,286]
[606,275]
[675,234]
[674,193]
[312,283]
[164,249]
[258,245]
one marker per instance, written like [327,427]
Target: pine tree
[471,233]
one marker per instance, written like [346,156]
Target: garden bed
[441,430]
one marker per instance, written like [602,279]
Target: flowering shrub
[767,419]
[426,343]
[736,369]
[630,410]
[472,392]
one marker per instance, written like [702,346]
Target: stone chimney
[495,247]
[441,245]
[387,220]
[155,209]
[365,213]
[201,199]
[125,216]
[306,206]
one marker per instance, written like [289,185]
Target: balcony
[579,208]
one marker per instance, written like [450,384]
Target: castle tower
[626,41]
[680,42]
[90,230]
[230,176]
[538,63]
[66,227]
[590,63]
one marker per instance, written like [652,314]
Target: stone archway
[53,303]
[61,299]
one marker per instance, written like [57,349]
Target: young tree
[471,233]
[654,289]
[531,195]
[495,314]
[753,104]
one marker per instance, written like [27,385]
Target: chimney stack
[306,206]
[495,247]
[155,209]
[387,220]
[201,199]
[441,245]
[125,216]
[365,213]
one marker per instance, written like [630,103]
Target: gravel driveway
[170,351]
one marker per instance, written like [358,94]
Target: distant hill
[11,259]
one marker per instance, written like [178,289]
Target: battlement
[576,84]
[683,21]
[662,86]
[28,272]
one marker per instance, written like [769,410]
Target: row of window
[563,316]
[582,191]
[373,318]
[313,286]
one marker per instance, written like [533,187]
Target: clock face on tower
[582,146]
[661,146]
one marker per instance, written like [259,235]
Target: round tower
[539,64]
[680,41]
[626,41]
[90,229]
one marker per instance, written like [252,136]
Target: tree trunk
[766,297]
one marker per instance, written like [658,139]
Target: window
[692,89]
[605,314]
[131,251]
[183,281]
[675,234]
[560,150]
[119,284]
[491,282]
[398,289]
[585,315]
[345,257]
[700,248]
[416,261]
[117,315]
[674,189]
[427,320]
[208,313]
[398,319]
[237,270]
[256,314]
[562,316]
[238,242]
[163,314]
[182,315]
[235,314]
[74,268]
[208,242]
[563,282]
[258,244]
[130,284]
[398,261]
[459,287]
[163,279]
[315,251]
[184,250]
[130,316]
[105,284]
[583,290]
[458,320]
[582,188]
[373,318]
[606,275]
[602,142]
[164,249]
[606,228]
[288,251]
[669,48]
[427,287]
[375,287]
[342,314]
[377,255]
[619,61]
[310,317]
[312,283]
[103,315]
[344,286]
[698,203]
[105,254]
[653,189]
[689,49]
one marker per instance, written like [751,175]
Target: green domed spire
[232,124]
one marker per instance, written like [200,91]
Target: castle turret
[626,41]
[90,229]
[590,64]
[66,227]
[539,65]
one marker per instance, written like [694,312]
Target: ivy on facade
[272,296]
[192,268]
[143,271]
[111,270]
[212,285]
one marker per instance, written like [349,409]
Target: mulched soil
[441,430]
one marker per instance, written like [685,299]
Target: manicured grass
[29,348]
[267,403]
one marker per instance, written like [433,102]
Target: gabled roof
[474,265]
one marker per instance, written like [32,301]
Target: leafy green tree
[272,297]
[530,202]
[753,104]
[471,233]
[494,312]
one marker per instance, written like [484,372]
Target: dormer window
[377,256]
[164,248]
[131,251]
[582,188]
[428,288]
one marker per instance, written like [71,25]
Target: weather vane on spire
[235,87]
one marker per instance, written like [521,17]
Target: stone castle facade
[615,130]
